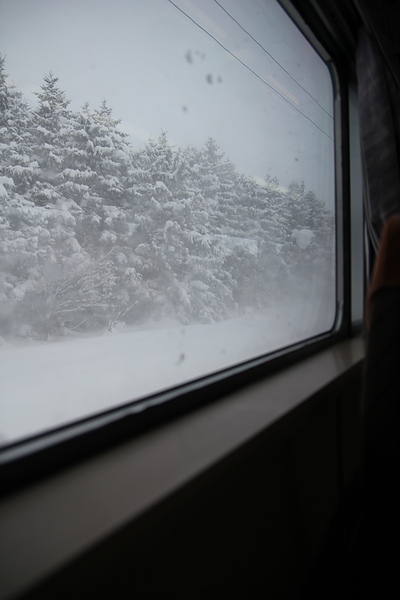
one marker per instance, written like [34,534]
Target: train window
[167,199]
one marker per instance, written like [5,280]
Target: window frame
[28,460]
[127,497]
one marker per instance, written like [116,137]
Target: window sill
[47,525]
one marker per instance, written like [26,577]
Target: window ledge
[45,526]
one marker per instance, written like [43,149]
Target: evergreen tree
[92,233]
[107,154]
[3,92]
[15,135]
[51,122]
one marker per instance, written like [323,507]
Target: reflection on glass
[166,198]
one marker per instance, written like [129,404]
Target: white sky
[160,71]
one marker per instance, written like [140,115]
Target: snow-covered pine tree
[3,91]
[108,154]
[309,247]
[40,236]
[205,280]
[155,184]
[15,136]
[17,170]
[52,131]
[94,233]
[257,266]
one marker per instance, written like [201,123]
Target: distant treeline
[93,233]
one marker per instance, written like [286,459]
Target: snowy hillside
[48,384]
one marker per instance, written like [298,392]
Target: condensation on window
[167,198]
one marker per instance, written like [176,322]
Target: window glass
[167,198]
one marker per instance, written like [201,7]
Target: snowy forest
[94,233]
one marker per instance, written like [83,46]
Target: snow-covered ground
[46,384]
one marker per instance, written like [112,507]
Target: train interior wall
[274,519]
